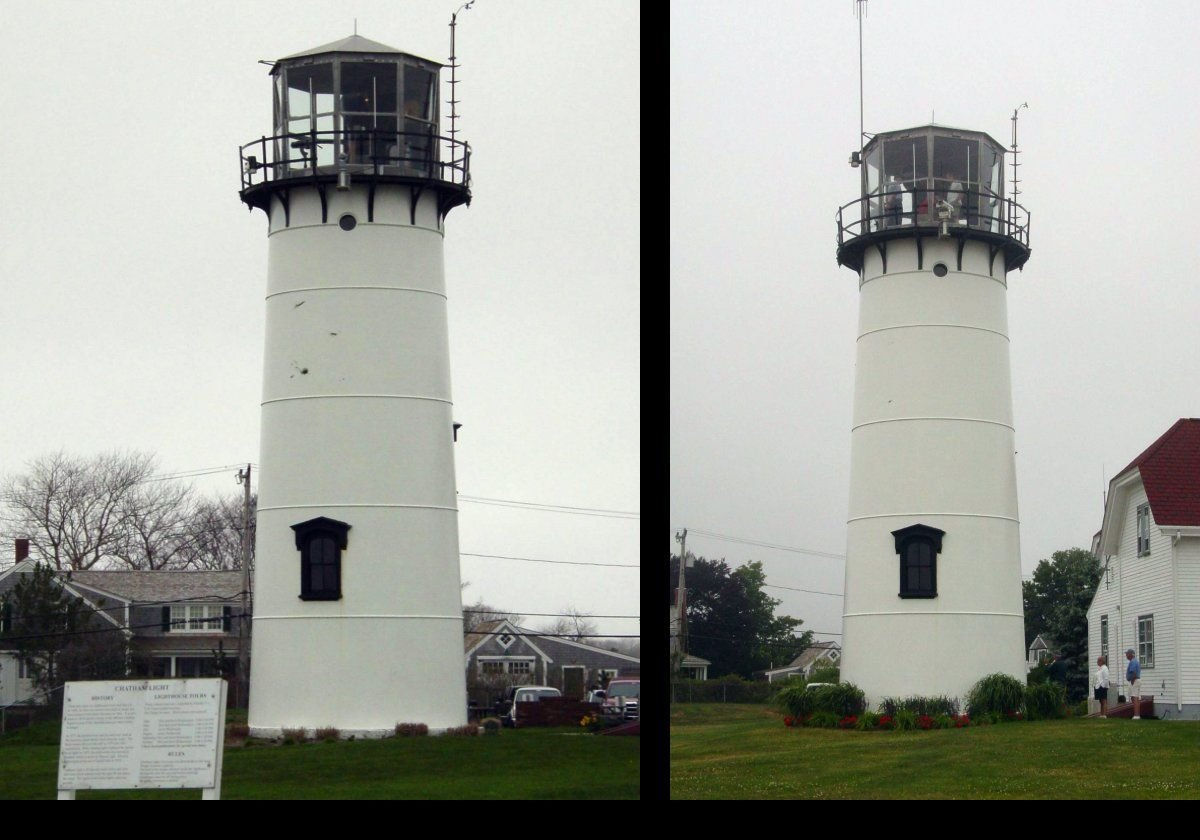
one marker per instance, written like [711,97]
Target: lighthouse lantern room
[933,571]
[357,611]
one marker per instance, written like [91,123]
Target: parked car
[596,695]
[527,694]
[622,698]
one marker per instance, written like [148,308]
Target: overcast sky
[1103,319]
[134,277]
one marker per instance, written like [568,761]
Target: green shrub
[1038,674]
[867,721]
[932,706]
[794,699]
[1045,700]
[327,733]
[294,736]
[824,720]
[995,693]
[843,699]
[492,725]
[469,730]
[1081,708]
[943,721]
[905,719]
[408,730]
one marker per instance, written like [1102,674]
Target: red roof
[1170,470]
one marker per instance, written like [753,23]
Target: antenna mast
[860,10]
[1016,190]
[454,77]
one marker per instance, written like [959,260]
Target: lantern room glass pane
[368,87]
[956,175]
[418,93]
[906,162]
[310,90]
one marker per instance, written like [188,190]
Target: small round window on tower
[939,269]
[348,222]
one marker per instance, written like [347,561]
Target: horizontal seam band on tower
[931,513]
[368,615]
[956,326]
[963,419]
[356,505]
[357,396]
[373,224]
[934,612]
[923,273]
[338,288]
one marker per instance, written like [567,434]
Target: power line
[562,562]
[810,591]
[546,615]
[597,512]
[793,549]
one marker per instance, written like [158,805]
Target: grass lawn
[529,763]
[733,751]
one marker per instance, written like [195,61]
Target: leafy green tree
[57,636]
[731,622]
[1056,601]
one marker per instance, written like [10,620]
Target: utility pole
[243,478]
[680,599]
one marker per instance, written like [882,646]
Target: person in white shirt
[1102,685]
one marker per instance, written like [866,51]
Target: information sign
[156,733]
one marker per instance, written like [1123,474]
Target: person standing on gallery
[1133,673]
[1101,690]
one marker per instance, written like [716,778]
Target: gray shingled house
[499,654]
[179,623]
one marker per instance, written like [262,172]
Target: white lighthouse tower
[357,606]
[933,571]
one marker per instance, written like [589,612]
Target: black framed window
[1143,530]
[321,542]
[918,547]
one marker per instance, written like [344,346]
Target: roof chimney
[22,549]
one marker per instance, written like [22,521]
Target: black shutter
[166,619]
[227,620]
[6,618]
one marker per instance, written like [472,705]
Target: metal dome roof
[354,43]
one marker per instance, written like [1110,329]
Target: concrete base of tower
[360,674]
[932,653]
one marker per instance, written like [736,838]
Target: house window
[491,669]
[1145,637]
[918,547]
[833,656]
[1104,637]
[321,542]
[196,667]
[506,640]
[1143,530]
[197,618]
[520,668]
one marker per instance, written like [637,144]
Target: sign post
[155,733]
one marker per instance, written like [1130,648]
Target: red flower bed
[848,722]
[886,722]
[960,721]
[925,722]
[789,721]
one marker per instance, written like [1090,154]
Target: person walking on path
[1133,673]
[1102,685]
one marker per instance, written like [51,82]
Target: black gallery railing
[374,151]
[971,209]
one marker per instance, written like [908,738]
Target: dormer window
[918,547]
[321,542]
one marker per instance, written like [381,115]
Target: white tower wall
[357,426]
[933,444]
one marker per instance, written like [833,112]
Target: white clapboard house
[1148,598]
